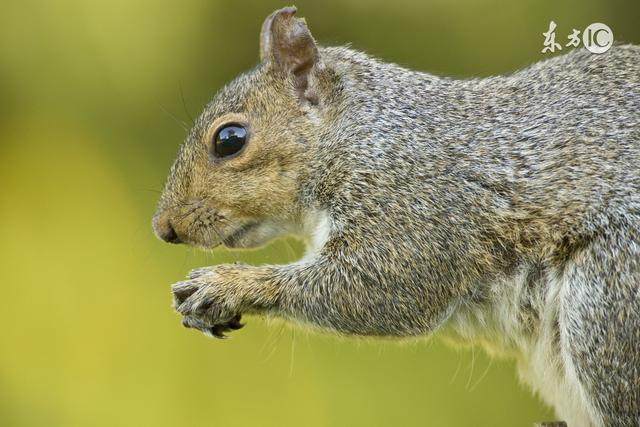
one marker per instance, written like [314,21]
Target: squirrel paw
[208,303]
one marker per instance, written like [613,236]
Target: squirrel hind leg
[599,322]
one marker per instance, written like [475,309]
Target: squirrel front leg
[327,292]
[351,299]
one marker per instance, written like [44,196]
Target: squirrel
[505,210]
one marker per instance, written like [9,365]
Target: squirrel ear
[286,42]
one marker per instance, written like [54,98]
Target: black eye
[229,140]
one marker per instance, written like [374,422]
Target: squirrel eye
[229,140]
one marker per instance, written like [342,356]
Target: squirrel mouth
[234,238]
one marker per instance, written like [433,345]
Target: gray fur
[507,208]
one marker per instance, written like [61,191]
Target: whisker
[189,212]
[234,254]
[184,105]
[177,120]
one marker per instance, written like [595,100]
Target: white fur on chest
[523,320]
[498,321]
[316,229]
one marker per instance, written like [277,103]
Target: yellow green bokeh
[92,96]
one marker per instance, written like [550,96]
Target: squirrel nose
[170,235]
[165,231]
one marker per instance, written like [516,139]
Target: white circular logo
[597,38]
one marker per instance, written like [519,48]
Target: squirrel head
[238,179]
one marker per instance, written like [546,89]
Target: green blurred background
[92,96]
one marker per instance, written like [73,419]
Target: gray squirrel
[505,208]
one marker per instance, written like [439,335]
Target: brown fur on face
[249,198]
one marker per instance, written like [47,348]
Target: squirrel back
[555,147]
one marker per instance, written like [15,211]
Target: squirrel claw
[217,331]
[235,323]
